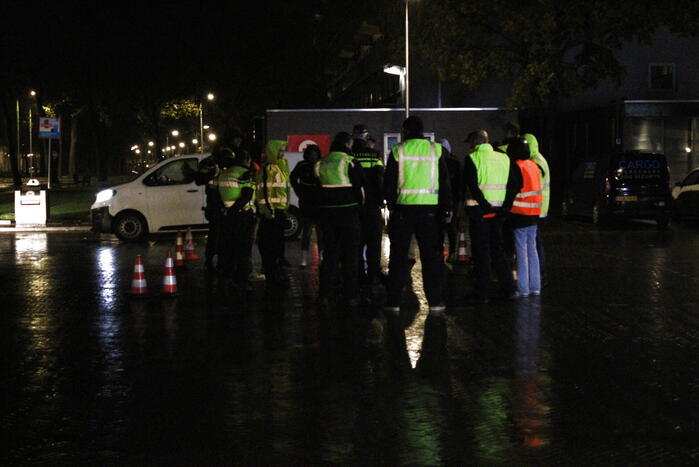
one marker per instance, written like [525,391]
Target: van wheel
[599,217]
[130,227]
[292,226]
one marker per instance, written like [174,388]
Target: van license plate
[627,198]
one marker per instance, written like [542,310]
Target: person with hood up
[539,160]
[524,213]
[340,200]
[272,197]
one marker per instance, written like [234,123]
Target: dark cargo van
[631,184]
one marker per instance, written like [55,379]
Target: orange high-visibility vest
[529,200]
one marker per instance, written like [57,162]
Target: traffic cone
[462,254]
[189,245]
[169,280]
[179,251]
[139,287]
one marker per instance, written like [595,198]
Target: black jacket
[305,184]
[373,167]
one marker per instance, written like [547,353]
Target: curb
[76,228]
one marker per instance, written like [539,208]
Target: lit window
[661,76]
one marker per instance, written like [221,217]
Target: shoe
[535,293]
[304,260]
[391,311]
[437,310]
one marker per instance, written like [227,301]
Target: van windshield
[634,168]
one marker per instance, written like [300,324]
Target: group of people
[342,194]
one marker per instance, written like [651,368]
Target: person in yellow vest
[539,160]
[272,199]
[207,174]
[236,188]
[418,195]
[524,213]
[339,203]
[488,181]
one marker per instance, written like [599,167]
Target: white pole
[50,162]
[201,128]
[407,62]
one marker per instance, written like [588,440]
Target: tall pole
[407,62]
[31,142]
[19,151]
[201,128]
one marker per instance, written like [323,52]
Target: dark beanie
[518,149]
[340,141]
[413,125]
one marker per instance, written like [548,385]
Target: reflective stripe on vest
[418,172]
[333,171]
[231,183]
[277,195]
[528,201]
[493,169]
[545,183]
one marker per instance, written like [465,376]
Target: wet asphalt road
[602,369]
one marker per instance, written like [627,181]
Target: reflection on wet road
[600,370]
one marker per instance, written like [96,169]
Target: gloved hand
[447,217]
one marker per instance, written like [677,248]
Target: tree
[548,49]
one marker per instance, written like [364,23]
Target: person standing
[341,196]
[272,198]
[539,160]
[207,174]
[306,186]
[487,176]
[455,179]
[525,215]
[370,215]
[236,189]
[418,194]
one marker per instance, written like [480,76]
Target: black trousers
[309,219]
[235,245]
[488,249]
[540,245]
[424,222]
[341,230]
[372,230]
[270,241]
[213,216]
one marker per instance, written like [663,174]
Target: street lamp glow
[687,149]
[394,70]
[212,137]
[181,144]
[175,133]
[138,151]
[32,93]
[210,96]
[206,127]
[195,141]
[151,143]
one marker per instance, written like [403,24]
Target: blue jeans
[528,274]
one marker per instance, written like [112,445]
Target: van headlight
[105,195]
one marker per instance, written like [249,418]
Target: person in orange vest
[524,215]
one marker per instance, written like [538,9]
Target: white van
[164,199]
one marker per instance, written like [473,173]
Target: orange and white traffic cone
[462,255]
[169,280]
[179,251]
[189,245]
[139,287]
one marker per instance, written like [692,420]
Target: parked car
[162,199]
[685,197]
[629,185]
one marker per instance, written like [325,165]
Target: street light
[398,71]
[175,133]
[212,137]
[210,97]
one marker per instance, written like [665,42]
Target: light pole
[19,150]
[407,61]
[209,97]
